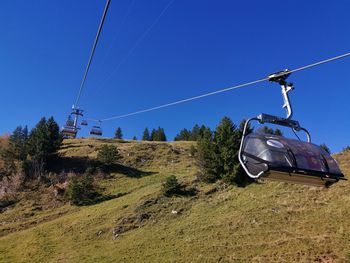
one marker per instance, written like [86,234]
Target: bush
[108,155]
[82,191]
[171,186]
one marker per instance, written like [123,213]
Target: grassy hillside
[268,222]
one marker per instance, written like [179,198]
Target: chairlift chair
[69,132]
[84,123]
[283,159]
[96,130]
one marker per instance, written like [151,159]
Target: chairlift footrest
[266,118]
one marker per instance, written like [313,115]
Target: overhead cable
[219,91]
[92,53]
[138,41]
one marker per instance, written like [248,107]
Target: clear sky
[196,47]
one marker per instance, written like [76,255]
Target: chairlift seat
[289,160]
[84,123]
[96,130]
[69,131]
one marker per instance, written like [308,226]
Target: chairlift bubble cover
[289,160]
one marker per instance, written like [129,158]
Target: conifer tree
[227,142]
[184,135]
[118,134]
[18,143]
[154,135]
[44,142]
[207,160]
[146,136]
[161,135]
[195,133]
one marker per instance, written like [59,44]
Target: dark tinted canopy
[263,152]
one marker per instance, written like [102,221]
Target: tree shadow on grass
[81,164]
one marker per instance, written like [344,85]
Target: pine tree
[154,135]
[43,143]
[146,136]
[184,135]
[161,135]
[118,134]
[207,160]
[108,155]
[54,134]
[227,140]
[134,138]
[18,143]
[195,133]
[218,156]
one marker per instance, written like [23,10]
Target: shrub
[108,155]
[81,191]
[171,186]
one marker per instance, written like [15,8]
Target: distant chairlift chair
[84,123]
[96,130]
[289,160]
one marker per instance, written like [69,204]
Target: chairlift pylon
[284,159]
[71,128]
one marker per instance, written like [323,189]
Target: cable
[138,41]
[92,52]
[185,100]
[125,17]
[319,63]
[220,91]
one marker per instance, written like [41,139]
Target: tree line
[153,135]
[197,133]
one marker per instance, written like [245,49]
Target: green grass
[269,222]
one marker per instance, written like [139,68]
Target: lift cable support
[269,78]
[71,128]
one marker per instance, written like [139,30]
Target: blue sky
[196,47]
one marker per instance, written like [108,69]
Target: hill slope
[269,222]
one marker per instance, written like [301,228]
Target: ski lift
[96,130]
[70,130]
[283,159]
[84,123]
[70,121]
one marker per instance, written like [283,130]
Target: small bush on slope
[82,191]
[172,187]
[108,156]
